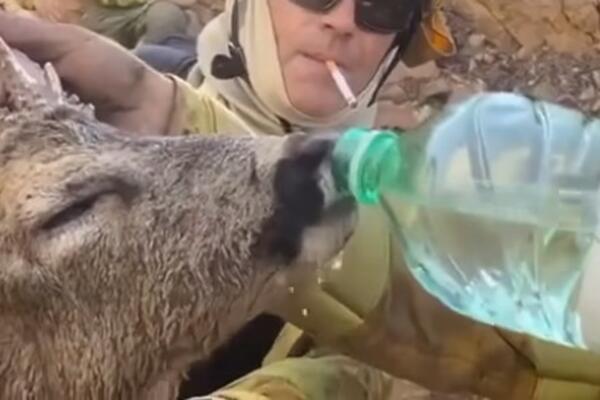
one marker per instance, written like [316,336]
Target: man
[263,67]
[161,32]
[128,22]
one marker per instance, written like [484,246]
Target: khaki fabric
[202,111]
[124,21]
[124,25]
[129,22]
[410,334]
[330,377]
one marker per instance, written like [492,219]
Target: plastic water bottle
[495,203]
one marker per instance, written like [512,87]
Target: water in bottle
[495,203]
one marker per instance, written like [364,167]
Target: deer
[125,258]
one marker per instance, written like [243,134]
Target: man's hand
[126,92]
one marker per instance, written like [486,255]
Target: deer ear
[24,85]
[22,82]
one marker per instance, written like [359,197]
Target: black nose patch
[299,198]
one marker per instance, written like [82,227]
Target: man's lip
[321,58]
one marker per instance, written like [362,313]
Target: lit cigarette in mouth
[341,83]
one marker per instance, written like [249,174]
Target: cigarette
[341,83]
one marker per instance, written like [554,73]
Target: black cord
[401,42]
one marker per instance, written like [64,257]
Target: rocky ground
[566,78]
[569,79]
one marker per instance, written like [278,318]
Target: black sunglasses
[381,16]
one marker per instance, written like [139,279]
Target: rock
[488,58]
[545,90]
[395,115]
[522,53]
[476,40]
[428,70]
[588,93]
[472,65]
[596,78]
[394,92]
[567,78]
[434,88]
[479,16]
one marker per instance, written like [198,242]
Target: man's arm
[125,91]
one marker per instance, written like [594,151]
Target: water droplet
[291,289]
[320,280]
[584,240]
[337,265]
[519,303]
[421,267]
[305,312]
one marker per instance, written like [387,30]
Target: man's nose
[341,17]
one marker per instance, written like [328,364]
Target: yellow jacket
[373,310]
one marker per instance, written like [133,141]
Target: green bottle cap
[365,161]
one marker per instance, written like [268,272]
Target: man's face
[306,39]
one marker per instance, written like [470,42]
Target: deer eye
[71,212]
[83,196]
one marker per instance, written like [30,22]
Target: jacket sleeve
[192,110]
[324,377]
[198,110]
[399,328]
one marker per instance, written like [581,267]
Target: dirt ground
[564,78]
[567,79]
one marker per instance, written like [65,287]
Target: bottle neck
[366,162]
